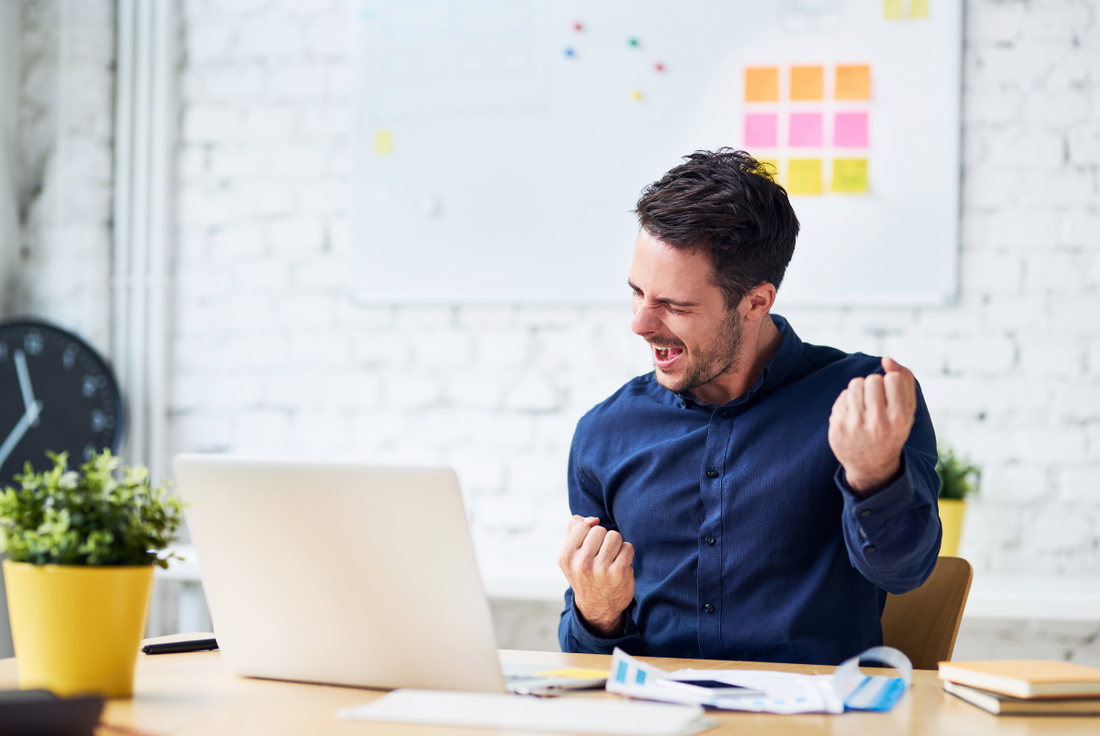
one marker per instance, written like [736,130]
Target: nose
[644,322]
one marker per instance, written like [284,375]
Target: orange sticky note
[762,84]
[850,175]
[807,82]
[804,176]
[853,82]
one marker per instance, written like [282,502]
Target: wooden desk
[192,694]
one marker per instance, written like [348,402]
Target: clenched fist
[870,423]
[597,564]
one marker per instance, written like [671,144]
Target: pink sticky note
[806,129]
[851,130]
[761,129]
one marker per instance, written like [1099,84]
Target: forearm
[575,636]
[893,536]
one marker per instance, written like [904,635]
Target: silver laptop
[345,574]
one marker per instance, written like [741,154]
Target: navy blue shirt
[749,544]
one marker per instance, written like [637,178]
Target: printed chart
[500,145]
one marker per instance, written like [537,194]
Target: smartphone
[712,688]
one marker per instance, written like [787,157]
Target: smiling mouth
[664,357]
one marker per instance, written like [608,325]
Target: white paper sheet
[565,715]
[785,692]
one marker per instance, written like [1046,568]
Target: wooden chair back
[924,622]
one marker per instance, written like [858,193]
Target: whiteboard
[500,145]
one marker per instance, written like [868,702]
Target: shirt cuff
[873,512]
[597,644]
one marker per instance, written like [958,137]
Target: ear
[758,302]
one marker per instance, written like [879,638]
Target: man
[755,497]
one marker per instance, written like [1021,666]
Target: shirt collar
[778,367]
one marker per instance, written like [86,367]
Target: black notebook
[41,713]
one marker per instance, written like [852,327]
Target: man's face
[682,315]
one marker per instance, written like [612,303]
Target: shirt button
[708,539]
[871,549]
[864,513]
[712,473]
[708,608]
[724,414]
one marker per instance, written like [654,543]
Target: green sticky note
[850,175]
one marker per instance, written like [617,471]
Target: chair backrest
[924,622]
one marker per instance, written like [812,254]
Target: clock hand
[25,384]
[21,427]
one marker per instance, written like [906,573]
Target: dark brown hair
[727,204]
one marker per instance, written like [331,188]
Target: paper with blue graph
[848,688]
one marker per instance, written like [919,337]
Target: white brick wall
[61,267]
[270,356]
[273,357]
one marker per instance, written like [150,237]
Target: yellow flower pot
[77,629]
[952,512]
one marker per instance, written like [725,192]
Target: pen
[177,647]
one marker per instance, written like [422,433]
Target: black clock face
[56,394]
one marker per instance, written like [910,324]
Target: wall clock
[56,393]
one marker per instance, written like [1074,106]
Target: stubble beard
[718,357]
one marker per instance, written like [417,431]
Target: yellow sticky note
[853,82]
[918,8]
[891,9]
[383,142]
[762,84]
[807,82]
[576,673]
[772,167]
[804,176]
[850,175]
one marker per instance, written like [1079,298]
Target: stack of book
[1025,686]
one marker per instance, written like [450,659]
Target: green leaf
[96,515]
[958,478]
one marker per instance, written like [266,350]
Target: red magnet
[578,26]
[659,66]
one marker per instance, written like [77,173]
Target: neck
[759,342]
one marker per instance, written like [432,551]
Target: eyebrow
[673,302]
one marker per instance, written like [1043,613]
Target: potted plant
[958,479]
[81,549]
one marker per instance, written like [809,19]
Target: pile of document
[682,695]
[768,691]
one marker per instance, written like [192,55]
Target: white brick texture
[270,354]
[267,336]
